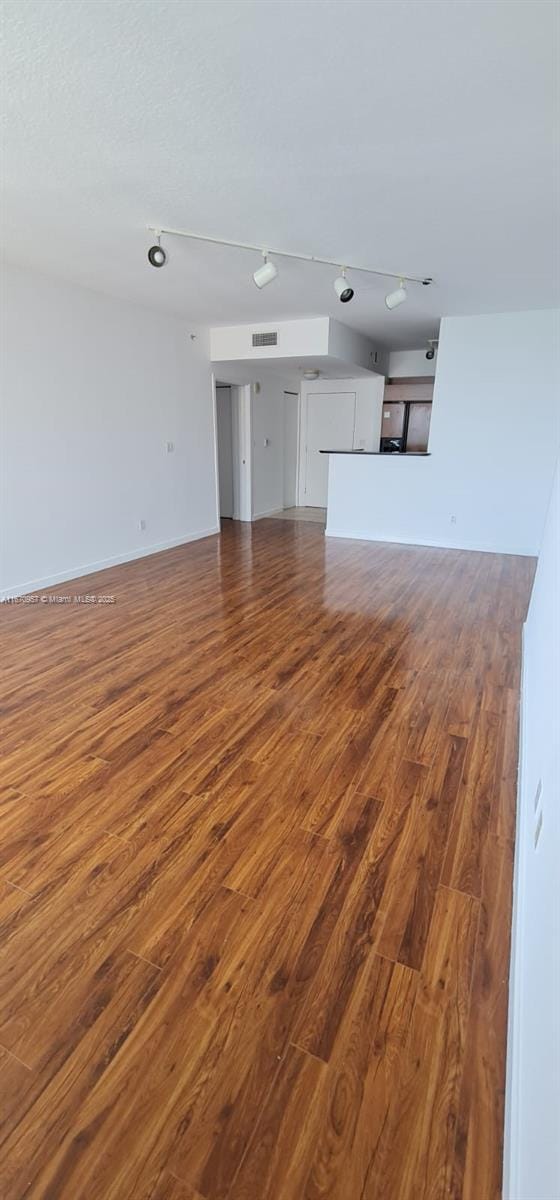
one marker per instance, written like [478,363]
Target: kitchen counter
[369,497]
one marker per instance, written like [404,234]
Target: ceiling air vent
[265,339]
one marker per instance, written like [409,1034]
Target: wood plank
[318,1130]
[479,1143]
[351,935]
[145,1074]
[167,1187]
[402,923]
[504,804]
[39,1107]
[470,824]
[279,960]
[414,1158]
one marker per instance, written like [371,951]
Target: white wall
[493,444]
[410,362]
[93,388]
[353,347]
[532,1147]
[307,336]
[369,401]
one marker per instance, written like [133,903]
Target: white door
[330,426]
[291,420]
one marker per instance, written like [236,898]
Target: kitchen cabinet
[392,420]
[418,430]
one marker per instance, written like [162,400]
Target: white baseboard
[457,544]
[34,585]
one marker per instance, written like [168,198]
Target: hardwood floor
[256,866]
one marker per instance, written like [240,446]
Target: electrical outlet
[169,447]
[454,520]
[141,524]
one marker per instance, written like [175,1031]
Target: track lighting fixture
[393,299]
[342,287]
[266,273]
[156,254]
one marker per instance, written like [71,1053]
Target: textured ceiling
[411,135]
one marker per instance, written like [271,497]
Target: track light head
[342,287]
[157,256]
[393,299]
[266,273]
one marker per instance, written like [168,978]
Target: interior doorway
[290,448]
[224,433]
[232,432]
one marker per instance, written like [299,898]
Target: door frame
[288,392]
[242,450]
[222,387]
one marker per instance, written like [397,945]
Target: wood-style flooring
[301,514]
[255,873]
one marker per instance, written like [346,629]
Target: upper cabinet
[409,390]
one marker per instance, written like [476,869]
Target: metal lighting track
[341,264]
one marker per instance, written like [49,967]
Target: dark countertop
[394,454]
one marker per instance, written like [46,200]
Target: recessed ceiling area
[432,158]
[288,370]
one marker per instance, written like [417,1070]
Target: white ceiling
[414,135]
